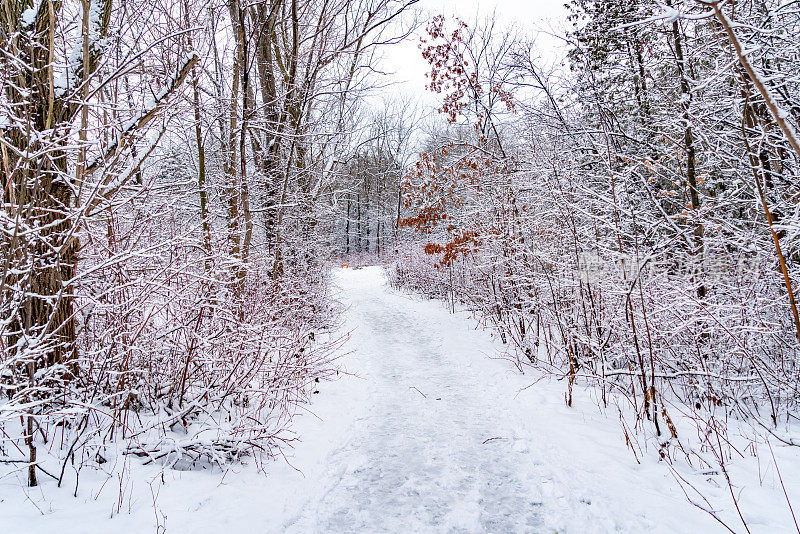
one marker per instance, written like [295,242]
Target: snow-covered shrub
[412,269]
[179,362]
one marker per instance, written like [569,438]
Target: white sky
[531,17]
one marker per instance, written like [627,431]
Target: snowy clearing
[426,433]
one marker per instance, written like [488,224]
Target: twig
[418,391]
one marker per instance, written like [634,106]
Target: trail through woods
[442,439]
[426,429]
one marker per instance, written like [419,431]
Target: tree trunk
[691,156]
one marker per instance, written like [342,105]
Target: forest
[184,180]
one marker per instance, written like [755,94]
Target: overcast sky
[532,17]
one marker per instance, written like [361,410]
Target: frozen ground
[428,434]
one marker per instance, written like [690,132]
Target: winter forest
[260,276]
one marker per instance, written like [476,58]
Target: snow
[427,429]
[29,16]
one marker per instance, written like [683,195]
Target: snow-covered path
[437,438]
[416,460]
